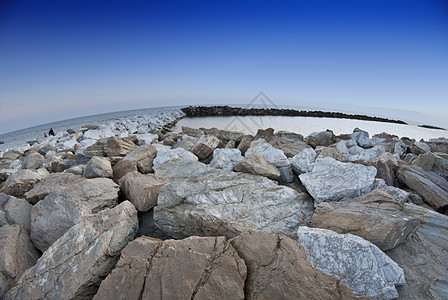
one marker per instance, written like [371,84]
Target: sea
[245,124]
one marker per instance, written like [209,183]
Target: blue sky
[61,59]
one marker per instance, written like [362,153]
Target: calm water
[308,125]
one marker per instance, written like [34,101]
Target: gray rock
[333,180]
[193,268]
[141,190]
[166,154]
[199,200]
[67,206]
[22,181]
[400,196]
[17,254]
[273,156]
[277,268]
[98,167]
[122,168]
[290,144]
[422,147]
[225,159]
[33,161]
[15,211]
[97,149]
[361,138]
[424,161]
[49,183]
[147,227]
[73,267]
[430,186]
[323,138]
[375,217]
[117,148]
[205,146]
[440,165]
[256,164]
[302,162]
[361,265]
[144,156]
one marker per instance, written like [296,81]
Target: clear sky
[61,59]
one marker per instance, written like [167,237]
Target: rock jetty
[127,210]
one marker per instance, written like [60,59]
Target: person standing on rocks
[51,132]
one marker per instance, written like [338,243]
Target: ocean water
[308,125]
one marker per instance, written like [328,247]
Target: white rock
[92,134]
[87,142]
[164,155]
[302,162]
[69,144]
[358,263]
[399,195]
[106,133]
[423,146]
[333,180]
[146,138]
[225,159]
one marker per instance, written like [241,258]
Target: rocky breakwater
[207,213]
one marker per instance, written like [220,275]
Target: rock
[192,131]
[400,196]
[49,183]
[147,227]
[98,167]
[146,138]
[438,145]
[67,206]
[361,265]
[430,186]
[141,190]
[164,155]
[245,143]
[323,138]
[73,267]
[60,165]
[265,134]
[424,161]
[302,162]
[361,138]
[122,168]
[332,180]
[117,148]
[97,149]
[22,181]
[15,211]
[205,146]
[33,161]
[225,159]
[93,134]
[422,257]
[277,267]
[440,165]
[387,165]
[375,217]
[273,156]
[193,268]
[291,145]
[421,148]
[17,254]
[256,164]
[333,152]
[144,156]
[224,134]
[199,200]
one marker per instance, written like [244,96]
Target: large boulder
[73,267]
[323,138]
[245,143]
[17,254]
[361,138]
[430,186]
[49,183]
[361,265]
[67,206]
[15,211]
[98,167]
[423,256]
[199,200]
[290,144]
[375,217]
[303,161]
[256,164]
[122,168]
[273,156]
[33,161]
[332,180]
[22,181]
[205,146]
[193,268]
[116,147]
[166,154]
[141,190]
[278,268]
[225,159]
[144,157]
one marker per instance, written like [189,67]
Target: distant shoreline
[223,111]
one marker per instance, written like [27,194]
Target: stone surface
[73,267]
[205,146]
[49,183]
[323,138]
[375,217]
[333,180]
[15,211]
[273,156]
[98,167]
[122,168]
[199,200]
[141,190]
[423,256]
[256,164]
[116,147]
[400,196]
[424,161]
[440,165]
[193,268]
[97,149]
[147,227]
[17,254]
[225,159]
[302,162]
[144,156]
[22,181]
[291,145]
[245,143]
[361,265]
[361,138]
[33,161]
[164,155]
[277,268]
[430,186]
[67,206]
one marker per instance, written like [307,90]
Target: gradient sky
[69,58]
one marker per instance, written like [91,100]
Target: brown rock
[245,143]
[116,148]
[193,268]
[289,144]
[49,183]
[192,131]
[141,190]
[122,168]
[256,164]
[265,134]
[277,268]
[98,167]
[205,146]
[96,149]
[144,156]
[22,181]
